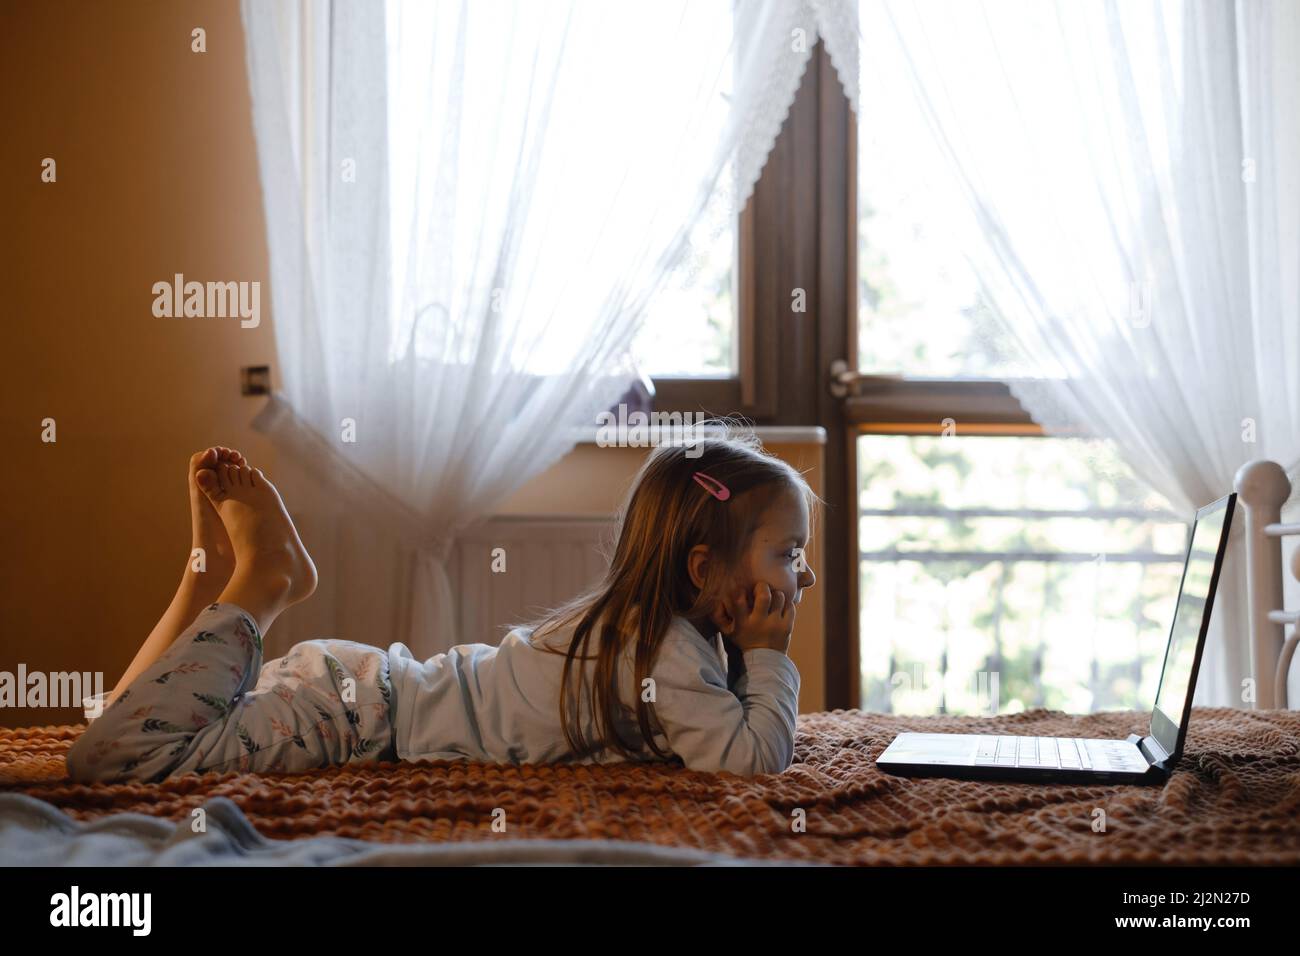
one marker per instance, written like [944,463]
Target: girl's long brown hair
[666,514]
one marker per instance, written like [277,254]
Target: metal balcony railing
[877,691]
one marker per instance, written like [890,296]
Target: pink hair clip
[719,490]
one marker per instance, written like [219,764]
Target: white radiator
[547,562]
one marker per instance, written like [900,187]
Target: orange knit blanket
[1234,799]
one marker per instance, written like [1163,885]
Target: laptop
[1146,759]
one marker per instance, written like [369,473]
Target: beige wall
[157,174]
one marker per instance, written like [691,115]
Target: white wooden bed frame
[1262,489]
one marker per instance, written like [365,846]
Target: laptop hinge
[1151,749]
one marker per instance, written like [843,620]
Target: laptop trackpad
[931,748]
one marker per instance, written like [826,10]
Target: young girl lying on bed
[711,543]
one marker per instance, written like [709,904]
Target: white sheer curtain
[1125,179]
[468,206]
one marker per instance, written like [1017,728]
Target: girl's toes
[209,484]
[203,459]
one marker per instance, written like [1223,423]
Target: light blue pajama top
[502,704]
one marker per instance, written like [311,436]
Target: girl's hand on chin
[761,618]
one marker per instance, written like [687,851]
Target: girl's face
[774,556]
[776,550]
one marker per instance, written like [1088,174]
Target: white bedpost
[1262,488]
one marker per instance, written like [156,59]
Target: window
[1003,573]
[690,330]
[919,305]
[996,572]
[980,547]
[563,108]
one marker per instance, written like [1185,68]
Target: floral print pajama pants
[210,704]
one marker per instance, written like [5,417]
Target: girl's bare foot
[198,588]
[272,567]
[207,531]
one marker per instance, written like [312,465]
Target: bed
[1234,800]
[1262,490]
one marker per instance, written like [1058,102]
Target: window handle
[844,380]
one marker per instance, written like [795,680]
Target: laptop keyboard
[1059,753]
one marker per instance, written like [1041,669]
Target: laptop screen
[1189,615]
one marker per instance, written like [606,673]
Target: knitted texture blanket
[1234,798]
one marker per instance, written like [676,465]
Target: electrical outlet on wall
[255,380]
